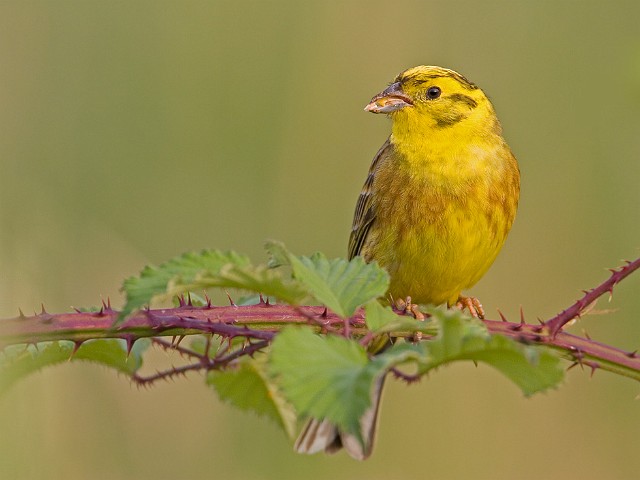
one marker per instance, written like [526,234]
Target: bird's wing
[365,213]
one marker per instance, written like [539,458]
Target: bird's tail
[319,435]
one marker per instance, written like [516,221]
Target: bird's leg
[472,304]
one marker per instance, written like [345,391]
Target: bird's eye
[433,93]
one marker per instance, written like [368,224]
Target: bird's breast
[439,227]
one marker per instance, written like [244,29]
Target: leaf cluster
[323,370]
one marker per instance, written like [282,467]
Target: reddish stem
[165,375]
[556,323]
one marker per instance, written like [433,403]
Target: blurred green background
[133,131]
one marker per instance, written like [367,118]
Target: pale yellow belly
[434,262]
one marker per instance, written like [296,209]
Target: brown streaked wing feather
[365,208]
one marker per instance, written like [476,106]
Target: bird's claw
[409,308]
[472,304]
[412,309]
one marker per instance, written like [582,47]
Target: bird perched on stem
[435,210]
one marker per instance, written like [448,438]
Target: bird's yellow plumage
[442,192]
[435,210]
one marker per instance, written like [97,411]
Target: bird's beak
[390,100]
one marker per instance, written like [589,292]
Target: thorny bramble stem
[556,323]
[258,325]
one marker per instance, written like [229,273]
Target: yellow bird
[440,198]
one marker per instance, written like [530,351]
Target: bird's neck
[458,153]
[424,136]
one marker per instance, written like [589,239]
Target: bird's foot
[472,304]
[413,309]
[406,306]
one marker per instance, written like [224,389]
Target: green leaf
[278,254]
[156,281]
[381,319]
[18,361]
[339,284]
[258,279]
[532,368]
[208,269]
[377,316]
[247,386]
[330,377]
[324,376]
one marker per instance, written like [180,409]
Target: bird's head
[431,97]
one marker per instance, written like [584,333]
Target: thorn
[632,354]
[267,303]
[189,302]
[261,299]
[99,313]
[475,362]
[586,334]
[77,310]
[230,299]
[130,341]
[593,366]
[21,313]
[180,338]
[173,339]
[324,313]
[571,366]
[106,306]
[579,360]
[42,311]
[517,327]
[541,322]
[522,322]
[206,297]
[502,317]
[181,303]
[76,346]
